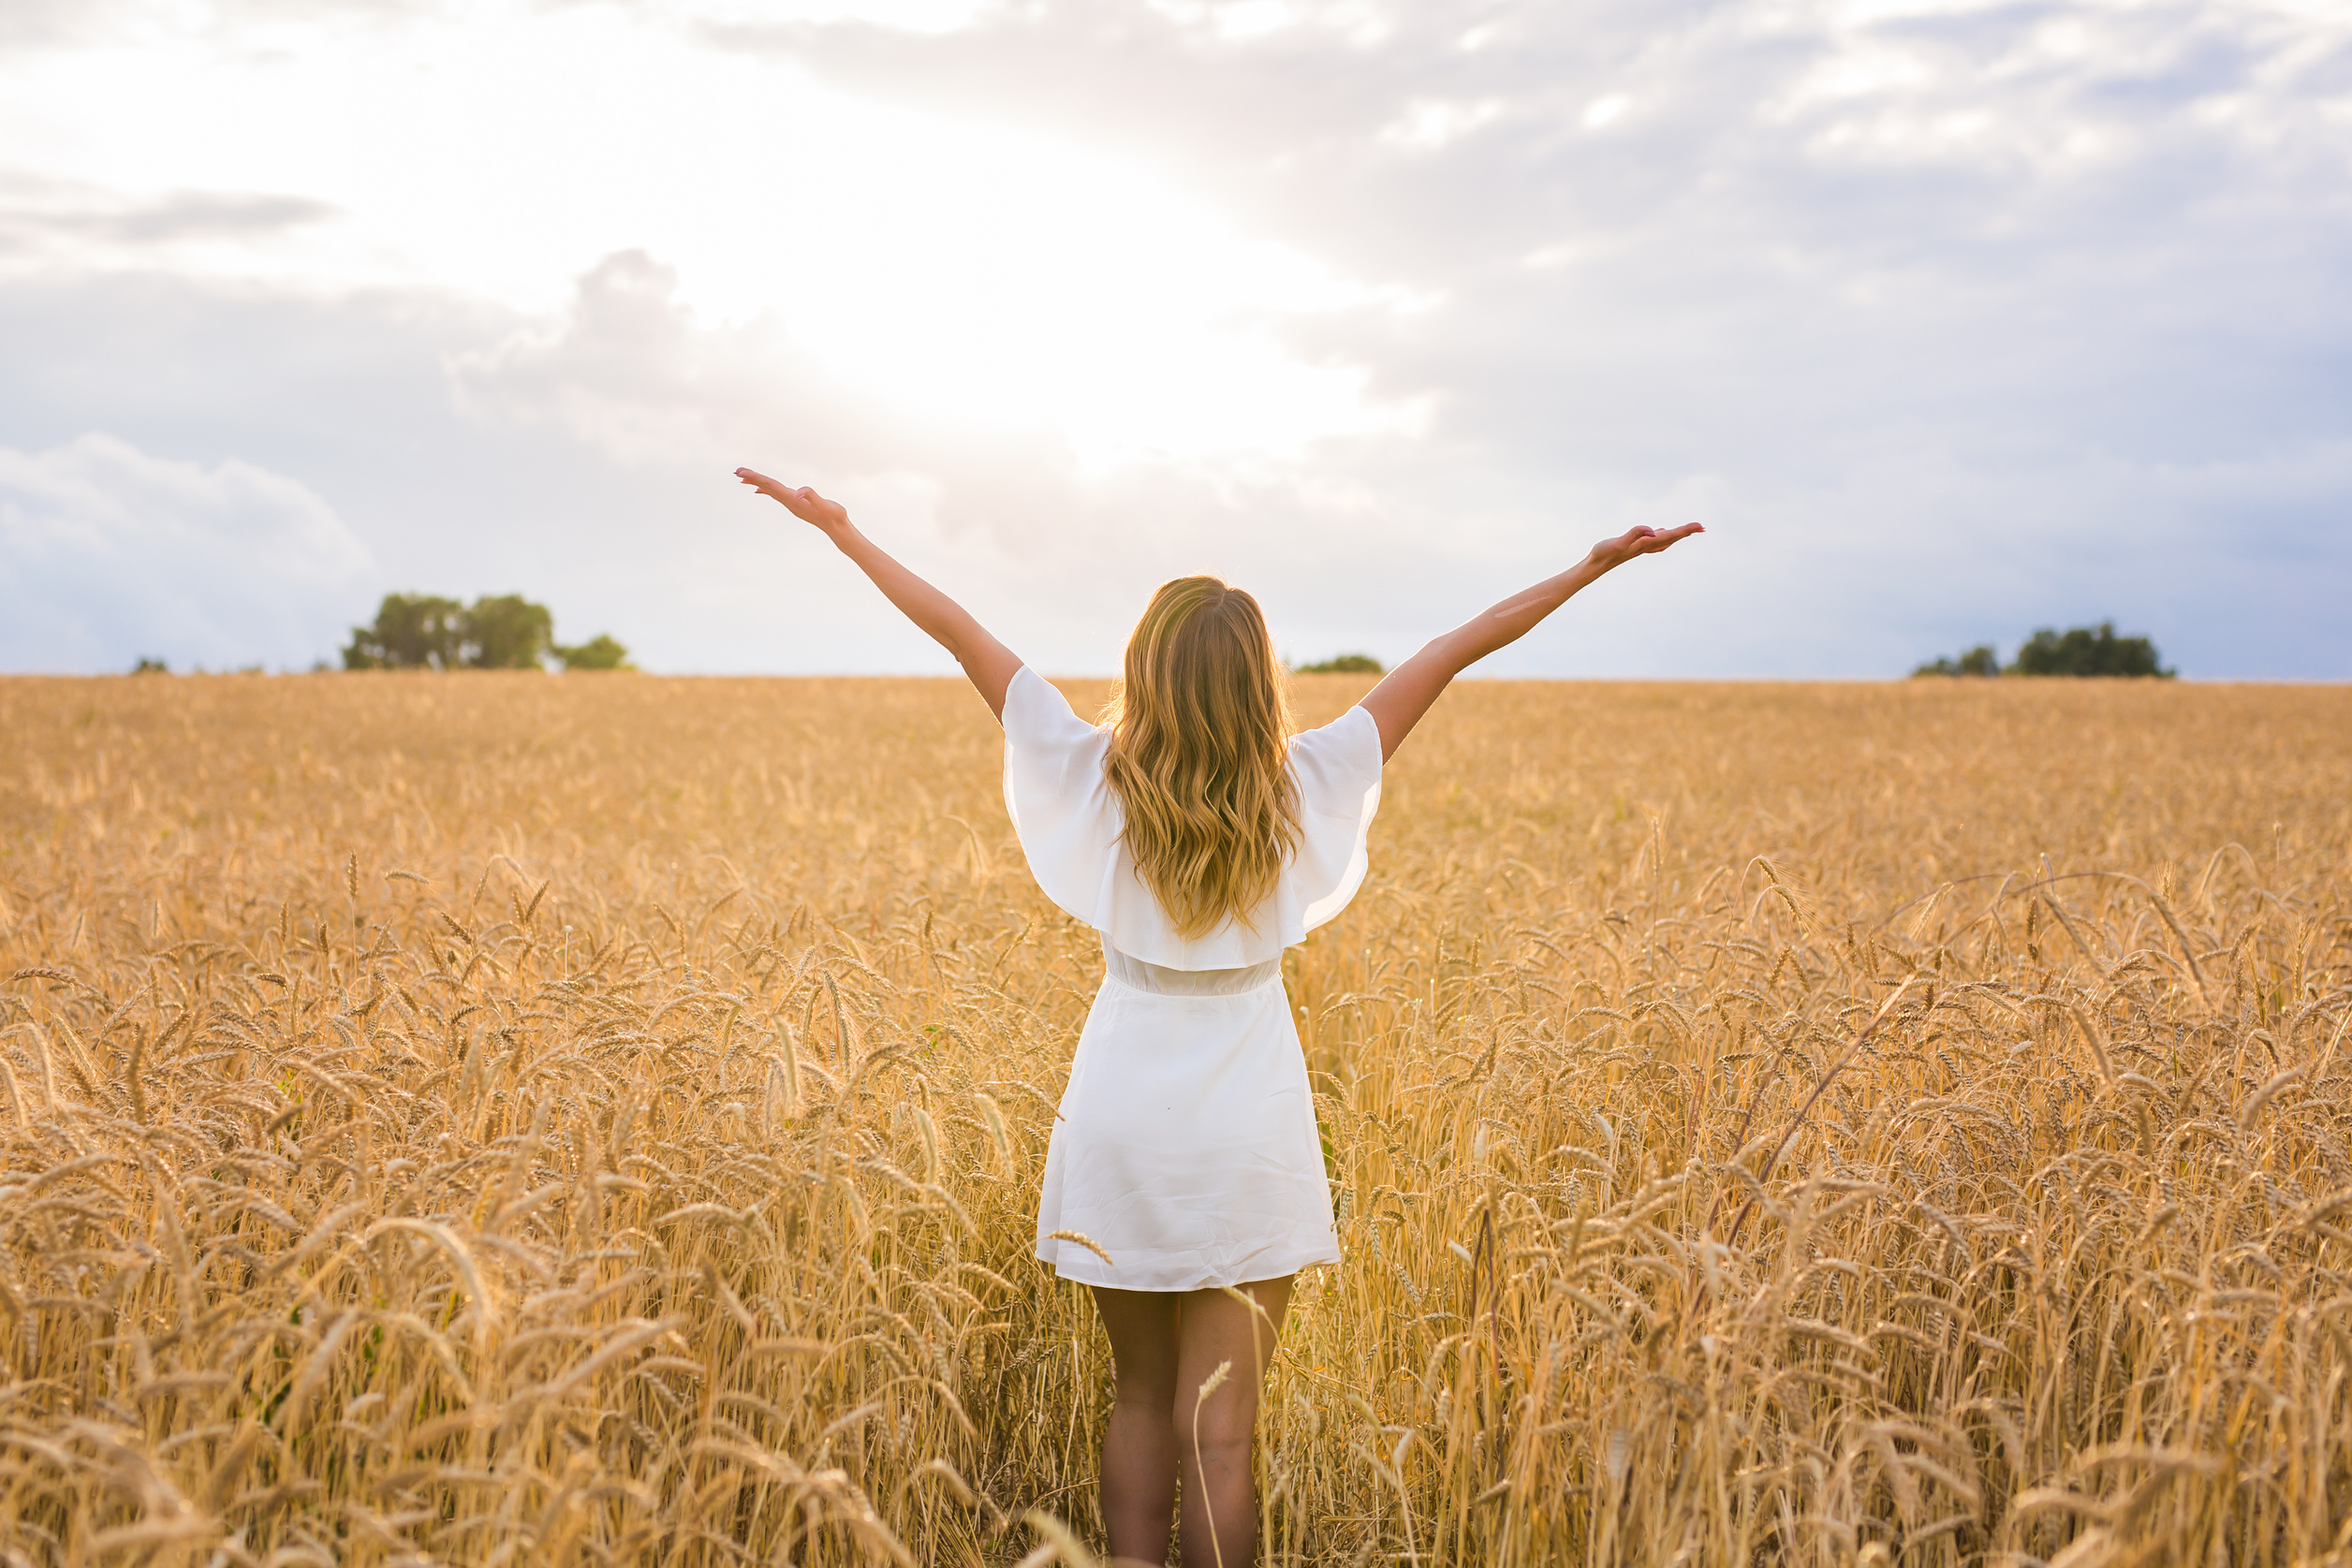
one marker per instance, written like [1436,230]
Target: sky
[1949,320]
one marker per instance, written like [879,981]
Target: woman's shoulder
[1342,730]
[1036,711]
[1343,753]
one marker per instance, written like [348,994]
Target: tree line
[506,631]
[501,631]
[2082,651]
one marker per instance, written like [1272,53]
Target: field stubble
[491,1118]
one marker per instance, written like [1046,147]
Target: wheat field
[486,1119]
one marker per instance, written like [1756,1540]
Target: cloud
[53,225]
[627,369]
[108,553]
[31,24]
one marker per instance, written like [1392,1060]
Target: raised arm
[988,663]
[1397,704]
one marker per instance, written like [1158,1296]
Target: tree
[1345,664]
[147,665]
[508,632]
[2088,651]
[412,631]
[1980,660]
[598,653]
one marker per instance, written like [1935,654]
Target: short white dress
[1185,1145]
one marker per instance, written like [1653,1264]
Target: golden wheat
[485,1118]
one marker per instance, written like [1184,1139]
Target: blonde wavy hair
[1199,757]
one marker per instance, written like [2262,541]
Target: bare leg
[1217,1330]
[1139,1461]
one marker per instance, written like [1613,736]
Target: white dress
[1185,1145]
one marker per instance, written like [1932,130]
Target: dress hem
[1081,1273]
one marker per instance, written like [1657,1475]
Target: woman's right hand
[802,503]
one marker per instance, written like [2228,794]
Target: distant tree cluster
[505,631]
[2080,651]
[149,665]
[1980,660]
[598,653]
[1344,664]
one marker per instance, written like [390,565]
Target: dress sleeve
[1062,806]
[1069,822]
[1338,768]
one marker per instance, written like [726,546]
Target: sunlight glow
[950,266]
[1429,124]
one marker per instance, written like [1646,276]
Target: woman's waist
[1159,980]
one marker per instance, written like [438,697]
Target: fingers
[801,501]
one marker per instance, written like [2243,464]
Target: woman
[1183,1180]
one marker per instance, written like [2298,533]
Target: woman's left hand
[1639,541]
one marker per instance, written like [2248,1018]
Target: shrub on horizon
[1980,660]
[1342,664]
[598,653]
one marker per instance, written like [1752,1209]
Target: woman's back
[1073,830]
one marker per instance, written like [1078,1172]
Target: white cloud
[1604,111]
[108,553]
[1429,124]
